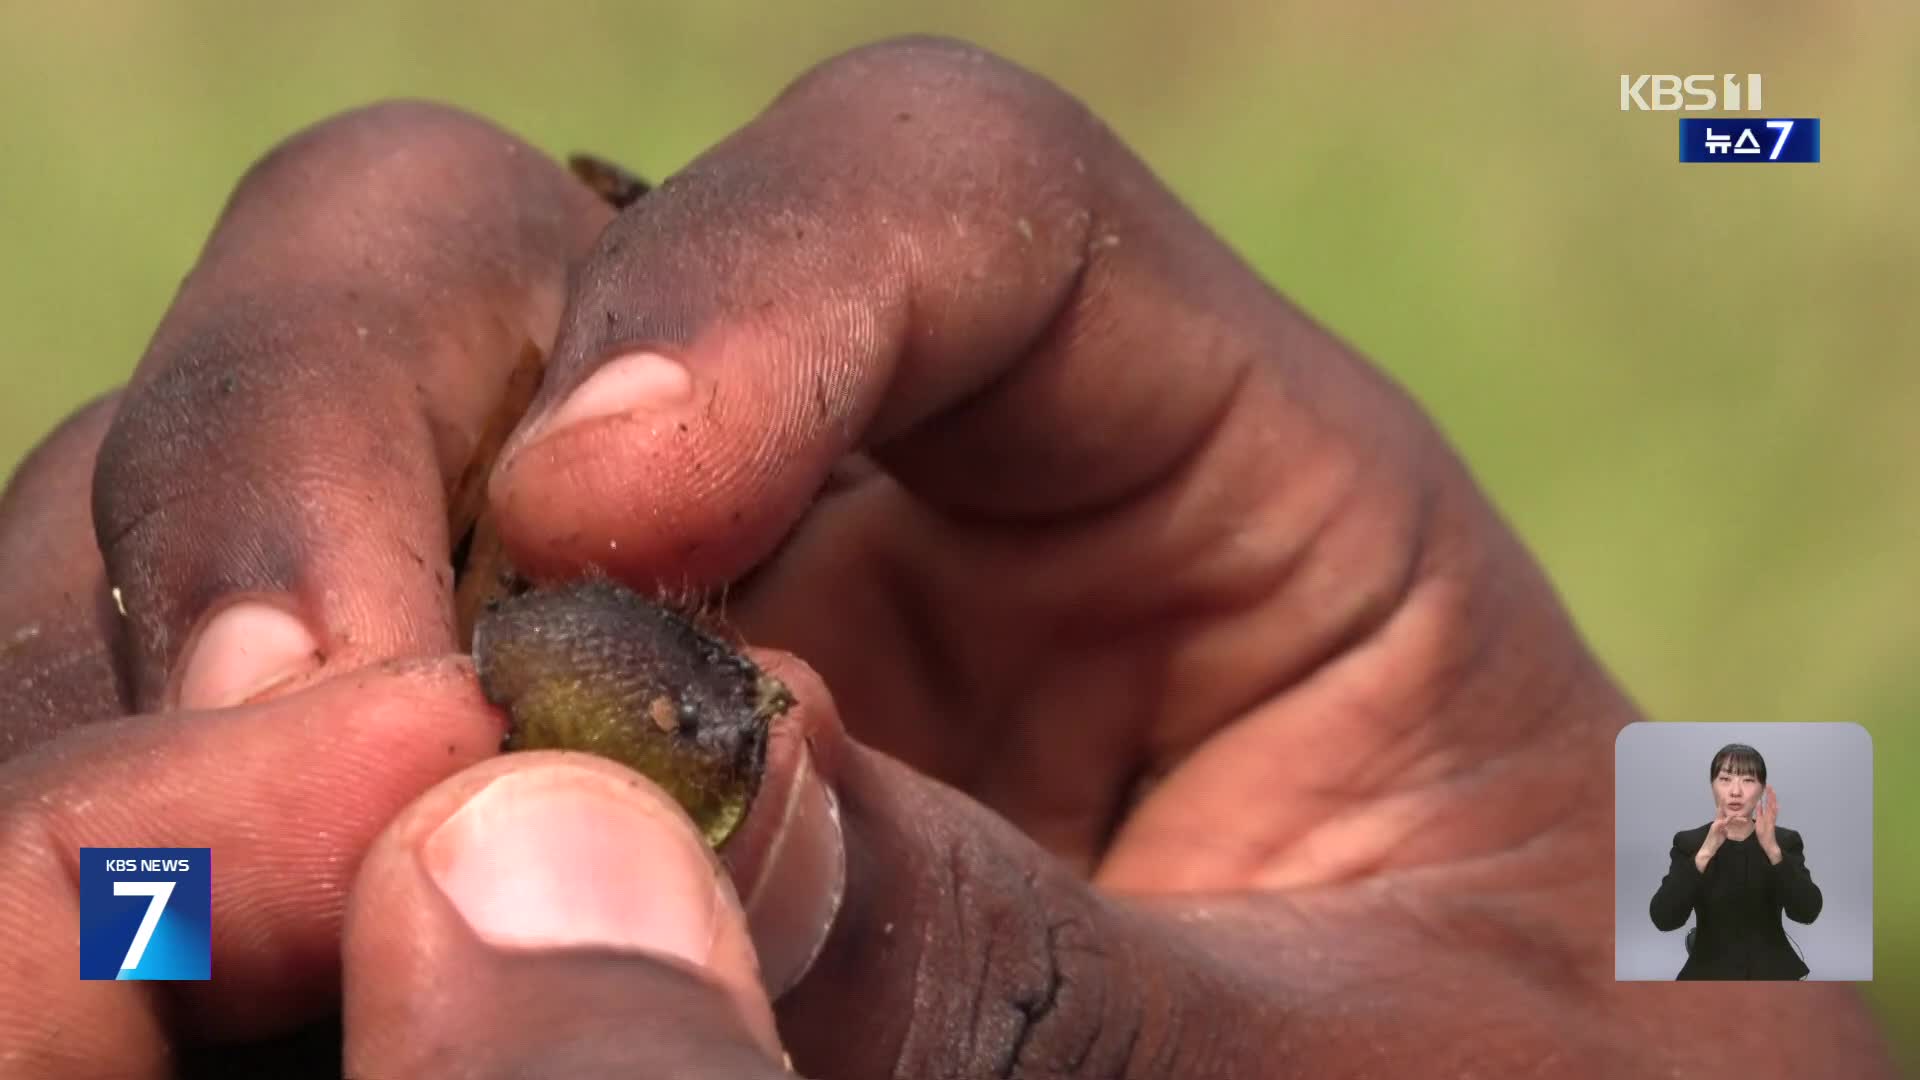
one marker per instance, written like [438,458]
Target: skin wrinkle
[1505,753]
[1359,637]
[1448,688]
[1277,576]
[1366,981]
[1181,468]
[1283,573]
[65,677]
[1029,1011]
[924,981]
[159,414]
[1326,991]
[925,1033]
[1015,989]
[1447,682]
[1404,756]
[1543,958]
[1074,945]
[917,615]
[1130,1043]
[1063,992]
[1078,298]
[985,998]
[59,628]
[1079,825]
[1014,708]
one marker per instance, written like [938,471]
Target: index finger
[274,487]
[925,252]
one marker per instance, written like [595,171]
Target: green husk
[594,667]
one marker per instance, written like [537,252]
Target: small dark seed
[592,666]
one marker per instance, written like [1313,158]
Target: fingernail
[632,384]
[560,856]
[244,650]
[790,856]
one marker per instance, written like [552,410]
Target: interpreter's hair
[1740,760]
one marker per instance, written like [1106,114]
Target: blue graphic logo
[1731,140]
[146,913]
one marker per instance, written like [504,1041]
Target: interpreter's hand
[1764,821]
[1716,836]
[1186,710]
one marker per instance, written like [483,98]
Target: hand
[437,978]
[1764,820]
[1716,836]
[288,794]
[1254,721]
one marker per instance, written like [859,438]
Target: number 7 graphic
[160,892]
[1785,128]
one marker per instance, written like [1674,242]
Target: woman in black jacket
[1738,874]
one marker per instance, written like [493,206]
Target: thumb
[956,946]
[549,914]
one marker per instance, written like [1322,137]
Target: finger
[58,624]
[920,250]
[287,795]
[283,455]
[550,914]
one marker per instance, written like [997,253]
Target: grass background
[1693,390]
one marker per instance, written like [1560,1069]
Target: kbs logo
[145,913]
[1694,93]
[1735,139]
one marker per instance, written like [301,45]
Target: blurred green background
[1693,390]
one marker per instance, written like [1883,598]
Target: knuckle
[1042,995]
[391,199]
[375,146]
[917,59]
[949,82]
[346,256]
[175,441]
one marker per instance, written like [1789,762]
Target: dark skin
[1189,709]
